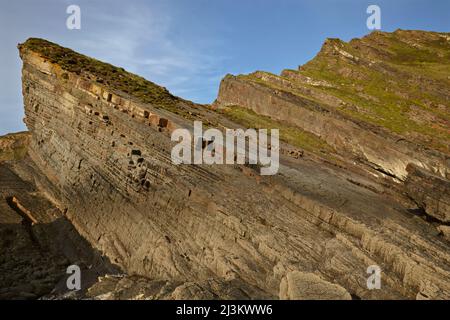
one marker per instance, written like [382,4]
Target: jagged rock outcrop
[14,146]
[122,287]
[306,286]
[430,192]
[100,152]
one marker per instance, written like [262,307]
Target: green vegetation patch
[418,72]
[289,134]
[104,73]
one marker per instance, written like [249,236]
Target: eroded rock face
[102,156]
[430,192]
[139,288]
[445,230]
[14,146]
[38,243]
[308,286]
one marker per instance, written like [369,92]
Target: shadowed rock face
[38,243]
[100,152]
[431,193]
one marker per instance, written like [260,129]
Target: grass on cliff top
[289,134]
[104,73]
[392,103]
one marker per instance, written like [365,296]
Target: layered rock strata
[100,150]
[430,192]
[367,98]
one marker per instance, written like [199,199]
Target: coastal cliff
[100,153]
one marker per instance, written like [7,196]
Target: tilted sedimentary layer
[382,99]
[14,146]
[100,148]
[430,192]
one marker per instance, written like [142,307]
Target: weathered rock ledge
[362,99]
[430,192]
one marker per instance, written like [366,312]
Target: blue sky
[189,45]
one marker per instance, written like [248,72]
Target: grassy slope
[390,74]
[289,134]
[103,73]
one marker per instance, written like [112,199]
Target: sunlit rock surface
[99,160]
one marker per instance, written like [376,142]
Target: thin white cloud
[140,40]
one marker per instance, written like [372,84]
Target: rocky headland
[363,180]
